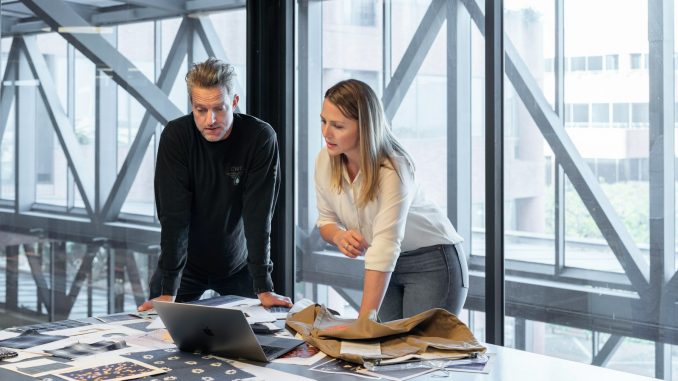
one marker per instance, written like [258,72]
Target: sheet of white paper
[431,355]
[8,335]
[98,332]
[104,360]
[42,362]
[262,373]
[370,350]
[156,324]
[258,314]
[158,339]
[239,304]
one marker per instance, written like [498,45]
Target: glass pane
[349,41]
[598,236]
[140,199]
[85,121]
[231,29]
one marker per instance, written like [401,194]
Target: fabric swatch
[50,326]
[33,370]
[29,338]
[76,350]
[6,374]
[116,317]
[141,326]
[190,366]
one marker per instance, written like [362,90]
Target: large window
[578,181]
[405,57]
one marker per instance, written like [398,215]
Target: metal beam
[494,172]
[7,92]
[24,134]
[661,163]
[171,5]
[26,27]
[119,16]
[214,5]
[62,125]
[56,13]
[459,121]
[559,174]
[607,351]
[270,90]
[130,167]
[309,21]
[80,229]
[414,56]
[43,290]
[106,130]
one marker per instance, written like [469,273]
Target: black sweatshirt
[215,202]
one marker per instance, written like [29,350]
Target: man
[216,182]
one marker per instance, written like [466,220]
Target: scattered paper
[257,314]
[430,355]
[397,374]
[366,350]
[8,335]
[158,339]
[263,373]
[37,368]
[121,369]
[304,354]
[340,366]
[156,324]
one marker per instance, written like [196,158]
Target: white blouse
[400,218]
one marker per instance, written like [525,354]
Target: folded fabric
[29,338]
[435,331]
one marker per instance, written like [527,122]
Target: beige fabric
[434,330]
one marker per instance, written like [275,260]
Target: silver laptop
[219,331]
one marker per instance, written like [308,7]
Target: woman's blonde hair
[356,100]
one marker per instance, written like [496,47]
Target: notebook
[219,331]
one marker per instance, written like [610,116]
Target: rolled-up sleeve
[394,199]
[324,203]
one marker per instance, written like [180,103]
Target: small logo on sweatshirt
[235,173]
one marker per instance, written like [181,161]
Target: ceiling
[18,19]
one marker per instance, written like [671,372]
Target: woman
[369,204]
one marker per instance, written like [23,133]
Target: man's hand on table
[149,303]
[270,299]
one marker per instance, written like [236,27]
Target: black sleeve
[173,200]
[259,198]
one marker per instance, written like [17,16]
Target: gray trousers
[425,278]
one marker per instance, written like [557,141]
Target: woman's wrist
[335,236]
